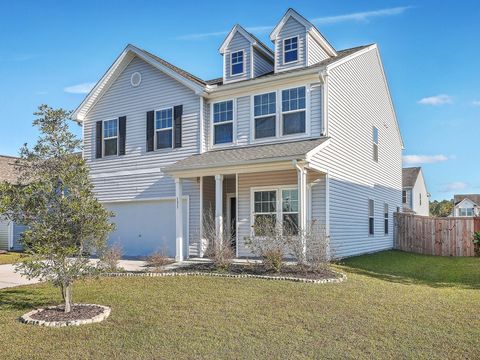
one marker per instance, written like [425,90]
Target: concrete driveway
[9,278]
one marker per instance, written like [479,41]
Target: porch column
[179,219]
[219,206]
[302,202]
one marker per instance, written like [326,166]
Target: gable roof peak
[254,41]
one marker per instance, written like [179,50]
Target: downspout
[323,75]
[302,187]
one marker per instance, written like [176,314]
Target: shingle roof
[254,154]
[473,197]
[341,54]
[409,176]
[8,172]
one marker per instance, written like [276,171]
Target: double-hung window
[290,211]
[265,211]
[163,128]
[293,111]
[466,212]
[110,137]
[371,217]
[223,122]
[290,50]
[375,144]
[265,108]
[385,217]
[236,60]
[404,196]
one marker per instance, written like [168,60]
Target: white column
[302,201]
[201,246]
[219,206]
[179,219]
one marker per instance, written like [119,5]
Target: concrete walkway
[9,278]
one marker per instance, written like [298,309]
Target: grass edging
[342,277]
[27,318]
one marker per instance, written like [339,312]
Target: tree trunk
[67,297]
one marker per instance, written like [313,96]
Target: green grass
[393,305]
[9,258]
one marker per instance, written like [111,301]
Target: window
[223,122]
[385,216]
[264,110]
[290,211]
[466,211]
[163,128]
[371,217]
[420,198]
[290,50]
[265,211]
[293,111]
[404,196]
[375,144]
[110,137]
[236,59]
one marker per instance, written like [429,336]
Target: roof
[254,41]
[341,54]
[248,154]
[472,197]
[410,175]
[8,172]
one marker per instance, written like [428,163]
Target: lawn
[9,258]
[393,305]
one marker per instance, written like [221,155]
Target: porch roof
[244,155]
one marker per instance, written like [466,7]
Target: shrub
[219,246]
[476,243]
[158,260]
[109,259]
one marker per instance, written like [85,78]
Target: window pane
[371,229]
[264,104]
[294,123]
[290,200]
[370,208]
[110,128]
[163,119]
[110,147]
[386,226]
[237,68]
[265,127]
[223,133]
[164,139]
[375,135]
[223,111]
[290,224]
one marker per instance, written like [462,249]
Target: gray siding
[317,201]
[261,65]
[359,100]
[315,51]
[291,28]
[316,110]
[238,42]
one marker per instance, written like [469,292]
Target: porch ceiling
[247,155]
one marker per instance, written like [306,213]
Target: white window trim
[164,129]
[307,113]
[109,138]
[284,51]
[243,63]
[279,213]
[253,117]
[233,121]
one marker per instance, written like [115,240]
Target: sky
[53,52]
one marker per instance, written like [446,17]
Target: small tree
[55,200]
[219,246]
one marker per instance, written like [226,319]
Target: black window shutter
[177,127]
[98,140]
[150,131]
[122,132]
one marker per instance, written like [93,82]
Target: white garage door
[144,227]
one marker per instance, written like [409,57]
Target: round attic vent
[136,79]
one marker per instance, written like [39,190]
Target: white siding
[291,28]
[261,65]
[318,198]
[315,51]
[359,100]
[420,190]
[316,110]
[4,233]
[238,42]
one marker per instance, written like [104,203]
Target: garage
[144,227]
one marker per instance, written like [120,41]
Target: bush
[109,259]
[476,243]
[158,260]
[219,248]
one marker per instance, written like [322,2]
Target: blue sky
[52,52]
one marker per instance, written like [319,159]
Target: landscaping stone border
[340,279]
[27,318]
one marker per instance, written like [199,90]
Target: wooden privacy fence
[435,236]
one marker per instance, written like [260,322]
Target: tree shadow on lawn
[414,269]
[21,298]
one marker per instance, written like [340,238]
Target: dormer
[244,56]
[298,43]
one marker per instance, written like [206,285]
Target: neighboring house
[466,205]
[9,231]
[299,133]
[415,196]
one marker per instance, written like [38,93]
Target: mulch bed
[78,312]
[293,271]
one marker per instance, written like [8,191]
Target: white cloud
[476,103]
[436,100]
[363,17]
[454,186]
[17,57]
[83,88]
[424,159]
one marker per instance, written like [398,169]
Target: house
[298,133]
[415,196]
[10,232]
[466,205]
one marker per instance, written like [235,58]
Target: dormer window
[237,63]
[290,50]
